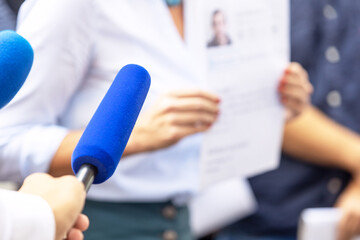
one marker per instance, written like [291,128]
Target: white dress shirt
[79,46]
[24,216]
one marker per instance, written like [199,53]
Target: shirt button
[170,235]
[334,185]
[169,212]
[332,55]
[330,12]
[334,99]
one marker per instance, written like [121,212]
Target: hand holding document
[244,48]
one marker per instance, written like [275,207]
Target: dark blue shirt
[325,38]
[7,16]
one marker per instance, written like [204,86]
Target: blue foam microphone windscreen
[16,58]
[104,139]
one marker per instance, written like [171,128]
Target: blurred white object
[319,224]
[221,205]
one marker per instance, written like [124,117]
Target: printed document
[243,48]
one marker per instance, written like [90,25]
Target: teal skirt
[137,221]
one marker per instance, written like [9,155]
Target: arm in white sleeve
[60,31]
[24,216]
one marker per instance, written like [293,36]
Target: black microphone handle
[86,175]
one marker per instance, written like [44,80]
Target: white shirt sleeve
[24,216]
[60,32]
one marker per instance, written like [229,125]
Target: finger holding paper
[295,90]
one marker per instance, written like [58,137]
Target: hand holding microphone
[66,197]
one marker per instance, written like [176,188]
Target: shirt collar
[173,2]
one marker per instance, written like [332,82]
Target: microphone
[102,144]
[16,58]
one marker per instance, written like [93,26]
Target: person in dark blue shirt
[320,166]
[7,16]
[8,12]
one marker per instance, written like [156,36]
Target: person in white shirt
[79,46]
[45,208]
